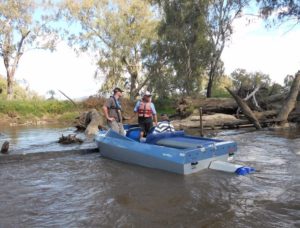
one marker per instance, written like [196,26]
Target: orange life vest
[145,109]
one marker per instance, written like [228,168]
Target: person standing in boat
[112,111]
[146,112]
[164,125]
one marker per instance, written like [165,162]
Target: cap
[147,93]
[117,89]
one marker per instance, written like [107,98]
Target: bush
[167,105]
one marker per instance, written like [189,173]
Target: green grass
[221,93]
[35,108]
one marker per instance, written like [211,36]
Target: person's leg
[121,129]
[142,126]
[114,125]
[148,126]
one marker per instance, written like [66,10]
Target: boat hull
[178,160]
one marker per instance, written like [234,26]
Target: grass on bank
[29,109]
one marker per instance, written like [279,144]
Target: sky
[61,70]
[274,51]
[252,47]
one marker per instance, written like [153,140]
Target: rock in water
[5,147]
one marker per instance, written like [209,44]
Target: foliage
[167,106]
[243,79]
[245,82]
[117,30]
[51,93]
[179,58]
[219,88]
[20,93]
[283,9]
[221,14]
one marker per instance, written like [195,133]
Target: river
[86,190]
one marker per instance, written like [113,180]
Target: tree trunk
[93,122]
[291,100]
[10,90]
[209,87]
[133,77]
[246,110]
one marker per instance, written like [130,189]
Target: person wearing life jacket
[112,111]
[145,110]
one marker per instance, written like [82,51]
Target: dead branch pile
[69,139]
[260,111]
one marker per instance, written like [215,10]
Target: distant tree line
[167,47]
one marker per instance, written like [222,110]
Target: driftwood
[246,110]
[251,95]
[5,147]
[276,110]
[69,139]
[209,105]
[95,122]
[275,98]
[90,122]
[266,114]
[291,101]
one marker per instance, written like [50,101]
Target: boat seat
[134,133]
[154,138]
[178,140]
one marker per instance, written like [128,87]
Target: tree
[252,85]
[247,81]
[22,27]
[288,80]
[221,15]
[183,46]
[117,31]
[51,93]
[283,9]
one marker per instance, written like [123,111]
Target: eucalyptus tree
[221,15]
[51,93]
[283,9]
[24,25]
[183,44]
[116,30]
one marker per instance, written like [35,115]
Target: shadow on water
[88,190]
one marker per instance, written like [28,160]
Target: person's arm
[154,114]
[155,119]
[135,110]
[105,110]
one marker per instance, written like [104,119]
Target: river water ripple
[91,191]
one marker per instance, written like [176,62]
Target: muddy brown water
[86,190]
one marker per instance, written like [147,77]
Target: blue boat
[170,151]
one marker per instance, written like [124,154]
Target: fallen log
[266,114]
[245,108]
[95,122]
[209,105]
[291,101]
[90,122]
